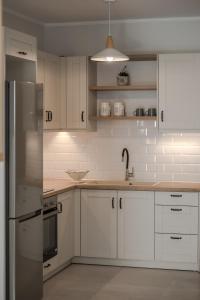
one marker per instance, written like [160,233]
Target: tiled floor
[83,282]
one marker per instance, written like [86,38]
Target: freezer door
[25,258]
[25,150]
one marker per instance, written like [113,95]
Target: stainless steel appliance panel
[26,256]
[25,148]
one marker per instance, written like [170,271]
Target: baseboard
[136,264]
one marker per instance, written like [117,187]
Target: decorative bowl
[77,175]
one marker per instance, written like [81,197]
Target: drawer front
[176,219]
[50,266]
[176,198]
[176,248]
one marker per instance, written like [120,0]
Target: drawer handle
[120,203]
[175,237]
[22,53]
[176,209]
[176,196]
[47,266]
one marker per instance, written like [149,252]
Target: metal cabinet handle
[60,207]
[47,266]
[22,53]
[175,237]
[82,116]
[176,196]
[120,203]
[162,116]
[113,202]
[176,209]
[49,116]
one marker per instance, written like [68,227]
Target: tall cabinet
[48,73]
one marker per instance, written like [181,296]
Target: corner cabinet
[48,73]
[179,91]
[78,102]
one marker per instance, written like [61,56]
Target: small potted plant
[123,77]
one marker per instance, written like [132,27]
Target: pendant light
[109,54]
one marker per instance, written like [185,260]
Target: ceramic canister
[118,109]
[105,109]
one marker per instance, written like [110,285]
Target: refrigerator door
[24,157]
[25,257]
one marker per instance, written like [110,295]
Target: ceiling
[58,11]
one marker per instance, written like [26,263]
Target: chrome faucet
[128,174]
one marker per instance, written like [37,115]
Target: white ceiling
[56,11]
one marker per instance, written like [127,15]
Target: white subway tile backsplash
[155,157]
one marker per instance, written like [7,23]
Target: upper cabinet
[48,73]
[78,103]
[179,91]
[21,45]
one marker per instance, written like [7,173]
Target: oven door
[50,224]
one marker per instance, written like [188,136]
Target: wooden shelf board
[110,118]
[135,87]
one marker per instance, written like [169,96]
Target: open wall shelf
[134,87]
[134,118]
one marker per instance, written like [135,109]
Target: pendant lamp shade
[109,54]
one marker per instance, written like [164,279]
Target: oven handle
[47,215]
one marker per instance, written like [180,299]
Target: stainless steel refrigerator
[24,172]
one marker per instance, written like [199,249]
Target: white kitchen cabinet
[99,223]
[66,227]
[21,45]
[48,73]
[136,225]
[176,248]
[179,91]
[78,102]
[179,219]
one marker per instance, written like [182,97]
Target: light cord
[109,26]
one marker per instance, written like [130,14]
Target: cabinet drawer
[176,248]
[50,266]
[21,45]
[176,219]
[176,198]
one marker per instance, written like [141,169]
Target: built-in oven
[50,223]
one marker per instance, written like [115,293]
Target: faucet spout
[125,150]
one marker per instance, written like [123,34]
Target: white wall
[24,25]
[139,35]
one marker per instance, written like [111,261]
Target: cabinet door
[179,91]
[66,227]
[21,45]
[98,224]
[76,92]
[48,73]
[136,225]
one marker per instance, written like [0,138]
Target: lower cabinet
[117,225]
[99,224]
[68,231]
[136,225]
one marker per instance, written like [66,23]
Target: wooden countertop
[1,156]
[61,185]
